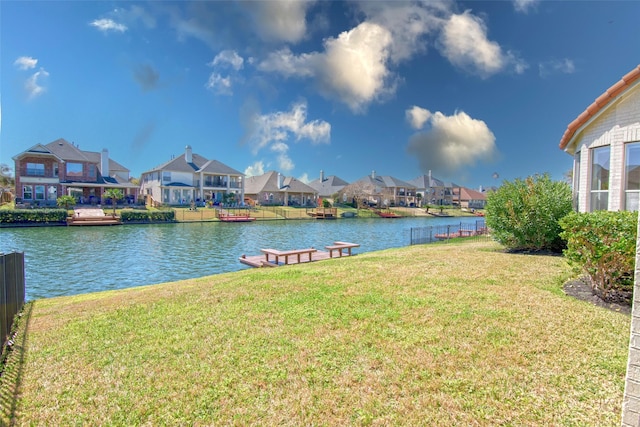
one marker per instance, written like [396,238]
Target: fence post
[12,290]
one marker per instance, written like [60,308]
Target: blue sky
[477,92]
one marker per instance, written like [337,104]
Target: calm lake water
[75,260]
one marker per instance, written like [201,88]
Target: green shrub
[41,216]
[603,245]
[524,214]
[144,216]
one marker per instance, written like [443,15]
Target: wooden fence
[12,290]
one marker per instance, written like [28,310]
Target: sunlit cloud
[34,85]
[255,169]
[108,25]
[25,63]
[352,68]
[463,41]
[451,143]
[417,116]
[560,66]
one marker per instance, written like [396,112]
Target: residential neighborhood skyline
[477,92]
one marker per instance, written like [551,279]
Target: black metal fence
[12,290]
[435,233]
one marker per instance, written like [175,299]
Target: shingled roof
[600,104]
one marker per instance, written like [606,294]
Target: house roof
[179,164]
[384,181]
[269,182]
[328,186]
[214,166]
[66,151]
[428,181]
[469,194]
[600,104]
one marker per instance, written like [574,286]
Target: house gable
[604,102]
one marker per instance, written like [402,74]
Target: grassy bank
[459,334]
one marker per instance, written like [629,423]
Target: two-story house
[45,172]
[380,190]
[434,191]
[192,177]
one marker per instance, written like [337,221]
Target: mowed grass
[437,335]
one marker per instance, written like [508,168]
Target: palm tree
[114,194]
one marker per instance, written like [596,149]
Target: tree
[525,214]
[7,181]
[114,194]
[66,201]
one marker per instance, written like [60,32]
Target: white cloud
[352,69]
[464,42]
[275,131]
[228,58]
[25,63]
[562,66]
[33,84]
[255,169]
[417,116]
[277,128]
[523,6]
[106,25]
[304,178]
[452,143]
[285,164]
[280,20]
[284,62]
[408,23]
[219,85]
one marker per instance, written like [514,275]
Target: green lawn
[438,335]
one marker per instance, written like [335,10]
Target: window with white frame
[632,176]
[576,181]
[600,169]
[35,169]
[39,192]
[27,192]
[74,170]
[166,176]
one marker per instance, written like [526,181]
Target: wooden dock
[324,213]
[275,258]
[92,217]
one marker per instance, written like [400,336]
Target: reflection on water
[74,260]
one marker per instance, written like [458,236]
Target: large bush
[603,245]
[147,216]
[524,214]
[33,216]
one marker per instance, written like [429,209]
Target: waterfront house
[604,141]
[433,191]
[272,188]
[328,187]
[45,172]
[192,177]
[380,190]
[469,199]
